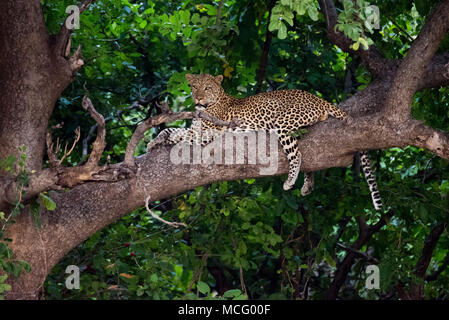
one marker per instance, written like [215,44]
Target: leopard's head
[206,89]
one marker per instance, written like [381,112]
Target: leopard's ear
[190,77]
[219,79]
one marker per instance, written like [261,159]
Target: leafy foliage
[247,239]
[9,266]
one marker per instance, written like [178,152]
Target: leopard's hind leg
[291,149]
[309,182]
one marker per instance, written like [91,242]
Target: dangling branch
[155,216]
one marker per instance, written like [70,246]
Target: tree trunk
[33,74]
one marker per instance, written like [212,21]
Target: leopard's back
[286,109]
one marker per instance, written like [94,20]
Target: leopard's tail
[369,176]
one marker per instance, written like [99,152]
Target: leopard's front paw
[151,145]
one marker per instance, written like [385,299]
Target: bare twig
[409,37]
[93,129]
[100,142]
[364,255]
[155,216]
[242,281]
[90,171]
[66,154]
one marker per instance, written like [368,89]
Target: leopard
[283,111]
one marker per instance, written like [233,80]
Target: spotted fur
[365,163]
[285,111]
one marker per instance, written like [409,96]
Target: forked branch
[372,57]
[167,116]
[411,70]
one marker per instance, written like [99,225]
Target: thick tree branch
[434,140]
[416,290]
[411,70]
[429,247]
[365,234]
[437,72]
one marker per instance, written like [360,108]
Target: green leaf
[328,258]
[25,265]
[423,6]
[4,287]
[300,7]
[48,203]
[8,163]
[291,201]
[154,278]
[282,33]
[185,17]
[143,24]
[203,287]
[313,12]
[275,24]
[34,206]
[232,293]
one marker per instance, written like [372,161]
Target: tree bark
[33,74]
